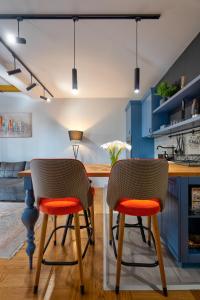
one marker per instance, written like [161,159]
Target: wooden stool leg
[119,251]
[92,221]
[110,225]
[149,234]
[40,253]
[159,253]
[55,233]
[79,252]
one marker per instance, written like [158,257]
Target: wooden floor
[16,281]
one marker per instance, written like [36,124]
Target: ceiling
[105,49]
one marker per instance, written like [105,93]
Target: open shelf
[194,251]
[183,125]
[191,90]
[197,216]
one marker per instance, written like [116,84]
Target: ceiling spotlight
[19,40]
[137,69]
[31,85]
[48,100]
[15,70]
[74,70]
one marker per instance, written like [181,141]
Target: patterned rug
[138,278]
[12,231]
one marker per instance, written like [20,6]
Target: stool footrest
[133,264]
[67,263]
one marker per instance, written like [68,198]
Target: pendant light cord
[136,43]
[74,42]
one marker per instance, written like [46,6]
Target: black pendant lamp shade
[137,80]
[74,79]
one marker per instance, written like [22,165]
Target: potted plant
[166,90]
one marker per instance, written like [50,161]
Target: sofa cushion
[11,169]
[12,189]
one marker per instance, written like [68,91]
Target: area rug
[138,278]
[12,231]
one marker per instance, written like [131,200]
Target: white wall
[101,120]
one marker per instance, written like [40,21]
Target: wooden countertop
[103,170]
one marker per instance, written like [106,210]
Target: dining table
[30,214]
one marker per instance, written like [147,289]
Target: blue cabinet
[170,218]
[176,223]
[150,121]
[141,147]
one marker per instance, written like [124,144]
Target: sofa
[11,186]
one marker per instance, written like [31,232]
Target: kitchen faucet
[167,147]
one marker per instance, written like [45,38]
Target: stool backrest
[59,178]
[138,179]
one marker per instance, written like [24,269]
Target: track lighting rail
[25,66]
[79,16]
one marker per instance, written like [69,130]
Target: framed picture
[15,125]
[195,199]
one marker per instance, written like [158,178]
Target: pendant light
[74,70]
[137,69]
[15,70]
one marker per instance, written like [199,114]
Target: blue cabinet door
[128,123]
[141,147]
[147,116]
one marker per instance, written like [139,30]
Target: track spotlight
[74,70]
[48,100]
[31,85]
[15,70]
[19,39]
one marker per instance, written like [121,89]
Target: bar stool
[61,187]
[137,187]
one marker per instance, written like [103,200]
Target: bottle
[195,110]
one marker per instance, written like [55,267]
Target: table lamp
[75,137]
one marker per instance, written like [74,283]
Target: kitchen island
[177,223]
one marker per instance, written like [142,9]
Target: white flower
[114,149]
[117,145]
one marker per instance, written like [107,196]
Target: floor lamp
[75,137]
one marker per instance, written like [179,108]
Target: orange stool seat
[135,207]
[60,206]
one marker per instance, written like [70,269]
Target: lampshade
[75,135]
